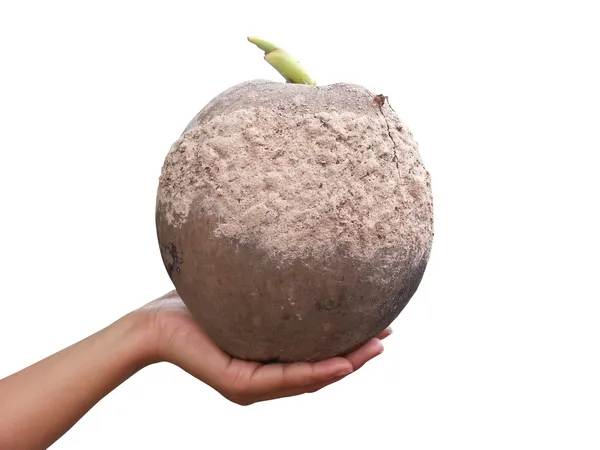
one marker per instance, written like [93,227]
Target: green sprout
[283,62]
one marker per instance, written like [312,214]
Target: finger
[284,377]
[364,354]
[358,358]
[274,381]
[318,386]
[310,389]
[385,333]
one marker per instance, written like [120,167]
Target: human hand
[179,340]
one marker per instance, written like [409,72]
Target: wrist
[138,335]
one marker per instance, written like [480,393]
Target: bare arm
[43,401]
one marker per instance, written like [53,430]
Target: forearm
[40,403]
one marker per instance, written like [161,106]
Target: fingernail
[386,333]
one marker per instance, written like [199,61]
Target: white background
[498,349]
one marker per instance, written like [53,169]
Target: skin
[51,395]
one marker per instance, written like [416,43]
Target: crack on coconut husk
[380,101]
[305,186]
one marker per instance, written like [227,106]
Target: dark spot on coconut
[172,257]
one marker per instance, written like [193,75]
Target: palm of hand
[181,341]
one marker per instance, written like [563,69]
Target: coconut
[295,221]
